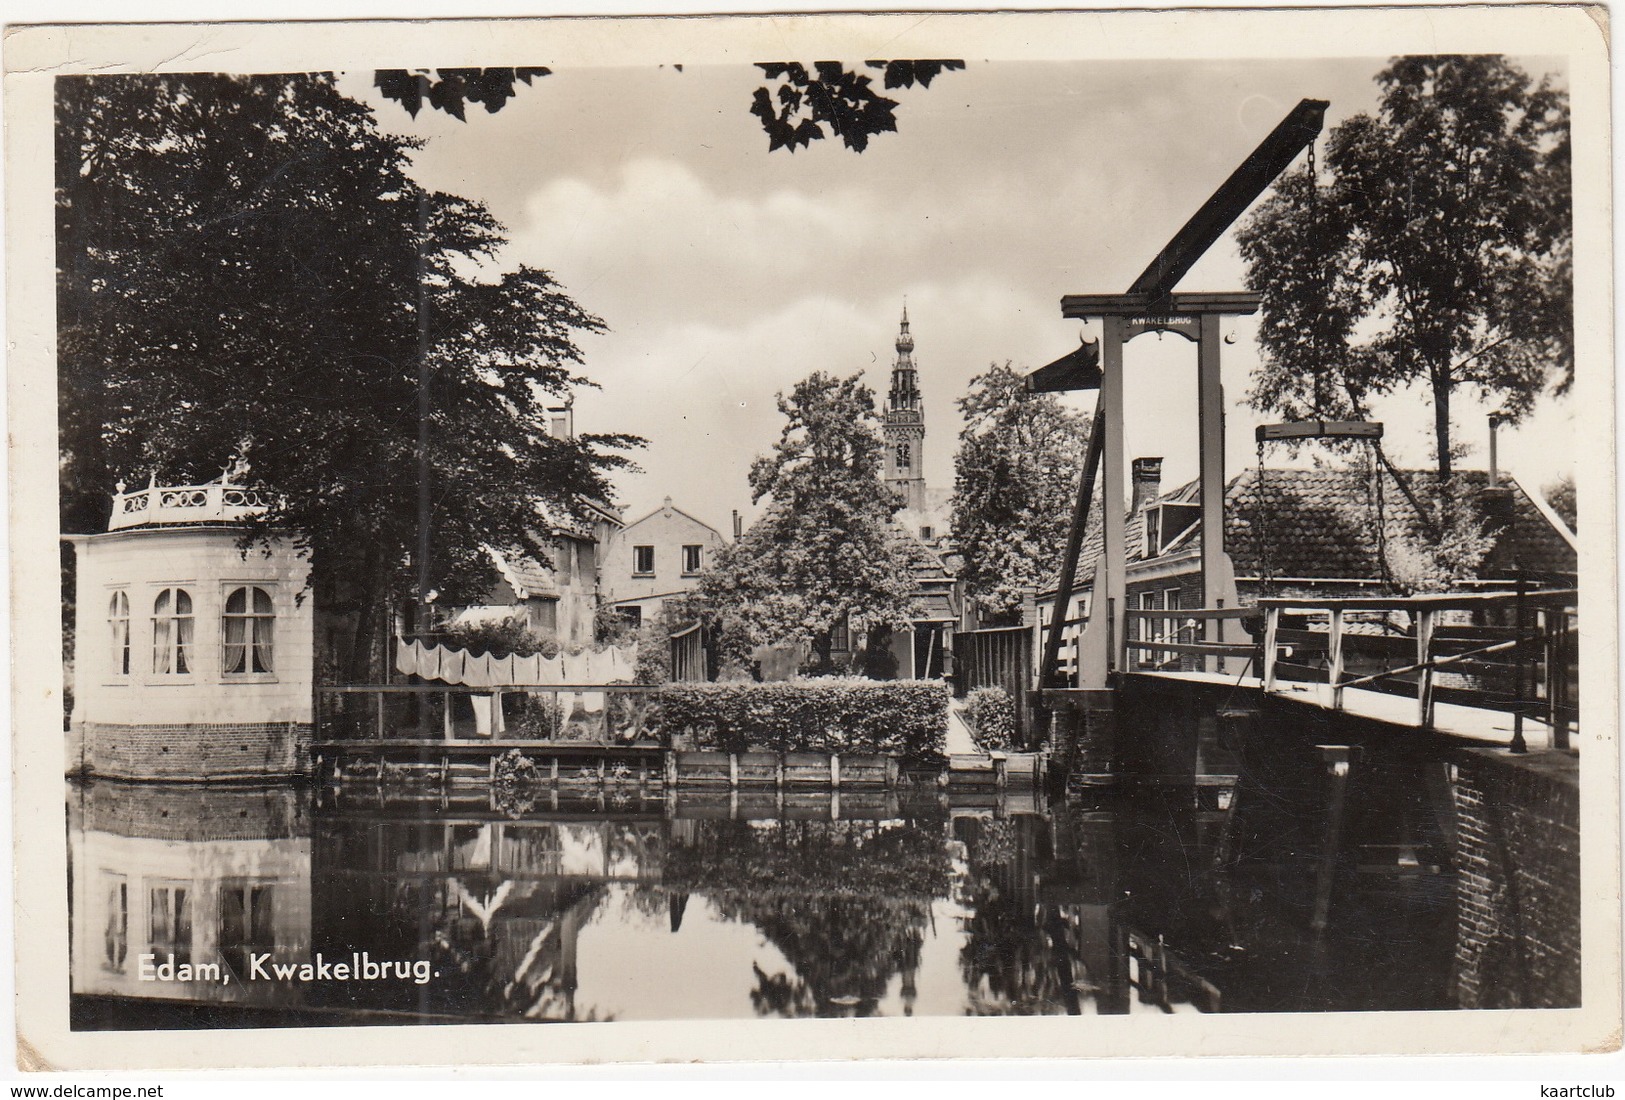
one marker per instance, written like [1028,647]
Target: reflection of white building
[190,876]
[193,657]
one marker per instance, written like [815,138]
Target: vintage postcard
[813,537]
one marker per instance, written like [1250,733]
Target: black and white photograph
[837,528]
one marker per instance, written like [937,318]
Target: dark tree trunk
[369,602]
[1442,385]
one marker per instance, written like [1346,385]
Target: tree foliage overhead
[1015,480]
[242,266]
[800,108]
[795,111]
[1435,249]
[826,549]
[448,89]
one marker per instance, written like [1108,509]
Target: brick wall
[192,751]
[1518,881]
[1189,586]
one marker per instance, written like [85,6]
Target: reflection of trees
[813,859]
[845,902]
[844,951]
[1013,962]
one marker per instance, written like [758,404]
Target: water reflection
[636,908]
[168,883]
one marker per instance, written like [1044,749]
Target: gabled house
[1313,532]
[560,598]
[654,558]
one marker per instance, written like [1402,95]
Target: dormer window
[1166,523]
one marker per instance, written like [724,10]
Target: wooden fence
[999,657]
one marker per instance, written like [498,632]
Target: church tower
[905,426]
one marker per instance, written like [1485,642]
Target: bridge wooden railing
[1508,651]
[1180,632]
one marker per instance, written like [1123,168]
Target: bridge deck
[1489,727]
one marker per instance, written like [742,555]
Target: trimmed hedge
[991,714]
[906,718]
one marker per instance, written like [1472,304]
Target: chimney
[739,526]
[1147,482]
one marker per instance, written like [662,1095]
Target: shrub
[905,718]
[501,638]
[991,714]
[531,715]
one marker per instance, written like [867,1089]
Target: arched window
[902,457]
[172,632]
[118,624]
[246,634]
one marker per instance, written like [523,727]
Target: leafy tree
[826,551]
[448,89]
[1015,478]
[793,115]
[1435,248]
[1560,495]
[802,104]
[247,276]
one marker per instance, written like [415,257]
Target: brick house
[560,599]
[1310,532]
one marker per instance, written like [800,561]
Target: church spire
[905,382]
[905,423]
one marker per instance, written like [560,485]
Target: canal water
[254,907]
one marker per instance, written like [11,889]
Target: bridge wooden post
[1109,581]
[1272,624]
[1334,656]
[1425,620]
[1339,761]
[1218,575]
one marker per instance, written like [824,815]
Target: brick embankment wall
[191,752]
[1087,740]
[1518,880]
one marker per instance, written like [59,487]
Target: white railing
[216,502]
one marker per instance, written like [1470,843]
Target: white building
[654,558]
[193,658]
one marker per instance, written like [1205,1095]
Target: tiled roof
[1321,524]
[527,577]
[933,607]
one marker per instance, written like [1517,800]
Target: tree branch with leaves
[1435,250]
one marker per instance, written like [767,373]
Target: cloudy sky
[726,273]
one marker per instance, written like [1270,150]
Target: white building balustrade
[217,502]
